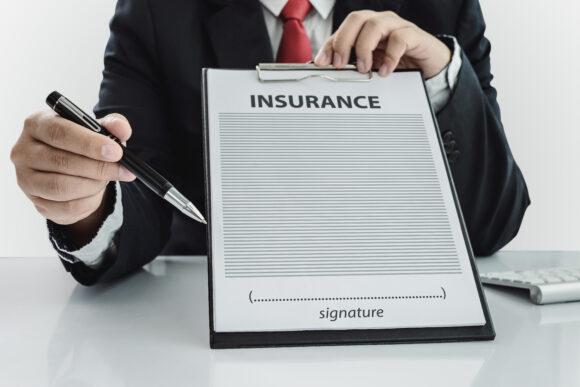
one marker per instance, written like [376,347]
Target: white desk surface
[151,329]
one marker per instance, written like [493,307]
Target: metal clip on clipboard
[262,67]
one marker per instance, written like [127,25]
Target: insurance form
[331,207]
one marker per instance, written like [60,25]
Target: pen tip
[192,212]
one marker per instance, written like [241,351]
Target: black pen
[148,176]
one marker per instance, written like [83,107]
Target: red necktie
[294,45]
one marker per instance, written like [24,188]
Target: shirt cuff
[93,253]
[440,87]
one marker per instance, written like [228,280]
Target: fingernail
[360,66]
[383,70]
[109,153]
[337,59]
[124,174]
[320,57]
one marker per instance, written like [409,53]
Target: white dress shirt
[318,22]
[318,26]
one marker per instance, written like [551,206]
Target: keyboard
[546,286]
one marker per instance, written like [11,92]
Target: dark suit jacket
[152,75]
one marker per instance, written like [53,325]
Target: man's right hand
[64,169]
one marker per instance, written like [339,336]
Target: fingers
[346,36]
[67,212]
[336,49]
[397,45]
[324,56]
[366,32]
[59,133]
[57,187]
[64,168]
[44,158]
[367,41]
[118,126]
[376,29]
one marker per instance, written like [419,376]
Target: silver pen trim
[79,113]
[174,197]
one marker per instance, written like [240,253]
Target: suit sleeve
[132,86]
[490,186]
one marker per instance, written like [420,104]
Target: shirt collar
[323,7]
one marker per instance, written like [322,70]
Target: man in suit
[103,226]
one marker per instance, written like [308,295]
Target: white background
[46,46]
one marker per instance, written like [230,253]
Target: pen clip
[79,115]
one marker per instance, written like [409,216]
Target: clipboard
[237,338]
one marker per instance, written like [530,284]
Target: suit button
[447,136]
[452,157]
[449,146]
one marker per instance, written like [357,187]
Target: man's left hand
[384,41]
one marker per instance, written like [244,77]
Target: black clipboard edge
[490,331]
[222,340]
[206,159]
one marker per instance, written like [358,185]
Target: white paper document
[331,207]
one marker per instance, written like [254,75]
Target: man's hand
[384,41]
[64,169]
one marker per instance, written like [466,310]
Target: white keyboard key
[535,281]
[547,285]
[567,277]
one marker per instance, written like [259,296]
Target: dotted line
[343,298]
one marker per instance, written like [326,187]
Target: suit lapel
[343,7]
[238,34]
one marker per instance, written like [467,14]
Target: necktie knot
[294,44]
[295,9]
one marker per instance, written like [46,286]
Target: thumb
[117,125]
